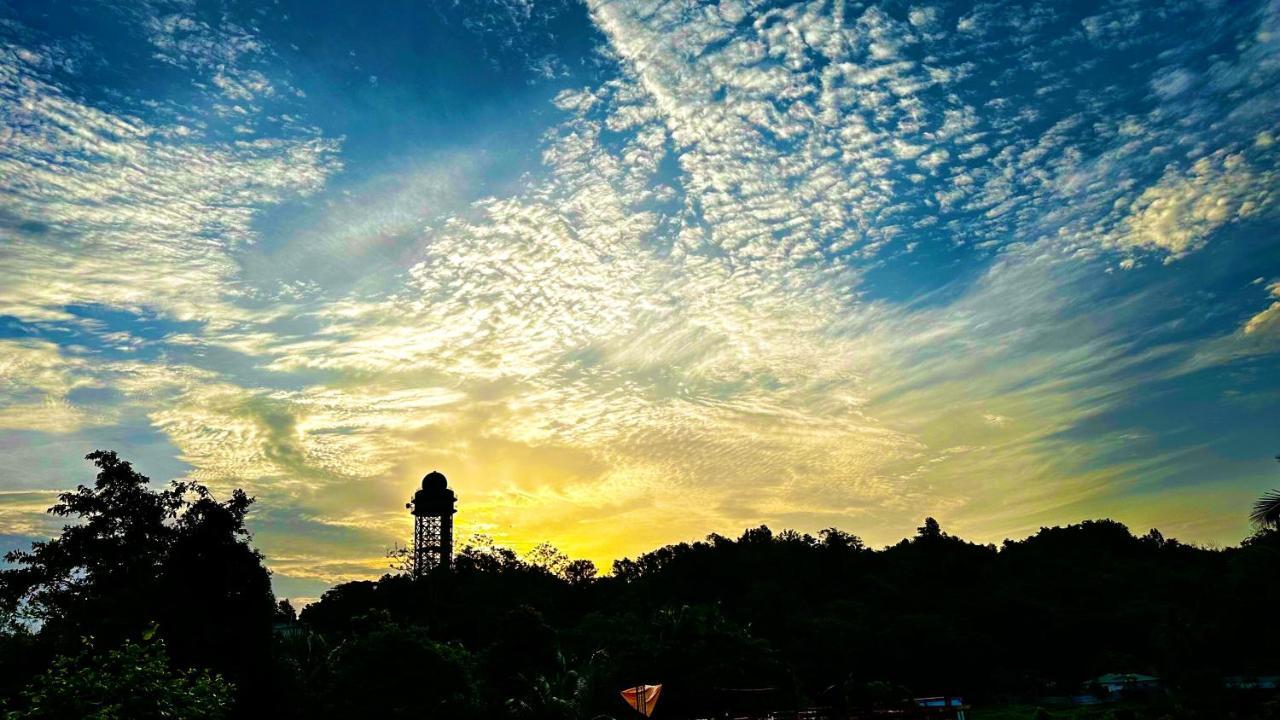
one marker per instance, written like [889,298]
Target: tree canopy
[173,599]
[134,557]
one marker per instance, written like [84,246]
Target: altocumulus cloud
[805,263]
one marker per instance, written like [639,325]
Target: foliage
[393,672]
[1266,511]
[133,682]
[766,620]
[548,557]
[781,619]
[579,572]
[285,612]
[134,556]
[99,574]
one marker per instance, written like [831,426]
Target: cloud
[680,321]
[1181,211]
[923,17]
[24,513]
[1266,322]
[781,130]
[121,212]
[35,382]
[217,48]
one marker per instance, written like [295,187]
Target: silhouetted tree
[839,540]
[285,612]
[138,556]
[216,608]
[579,572]
[101,575]
[1266,511]
[481,553]
[930,530]
[400,559]
[762,621]
[548,557]
[398,673]
[524,647]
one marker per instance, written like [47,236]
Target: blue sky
[632,272]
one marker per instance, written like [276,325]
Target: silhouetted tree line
[154,604]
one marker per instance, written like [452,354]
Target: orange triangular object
[642,698]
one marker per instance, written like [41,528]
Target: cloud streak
[814,264]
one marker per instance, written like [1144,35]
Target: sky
[630,272]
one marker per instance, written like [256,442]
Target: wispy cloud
[812,263]
[114,210]
[35,380]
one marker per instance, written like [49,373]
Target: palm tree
[1266,512]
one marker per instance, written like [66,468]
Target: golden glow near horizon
[814,265]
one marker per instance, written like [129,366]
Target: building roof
[1124,678]
[434,480]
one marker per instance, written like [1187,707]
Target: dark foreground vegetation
[154,604]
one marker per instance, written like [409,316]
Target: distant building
[1252,682]
[944,706]
[1122,683]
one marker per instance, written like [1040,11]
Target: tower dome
[435,481]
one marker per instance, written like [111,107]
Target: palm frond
[1266,512]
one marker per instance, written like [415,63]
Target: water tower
[433,509]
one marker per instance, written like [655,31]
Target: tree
[21,656]
[1266,511]
[400,559]
[98,577]
[579,572]
[391,671]
[839,540]
[133,682]
[175,557]
[285,612]
[930,530]
[215,607]
[524,646]
[481,553]
[542,698]
[548,557]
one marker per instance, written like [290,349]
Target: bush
[133,682]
